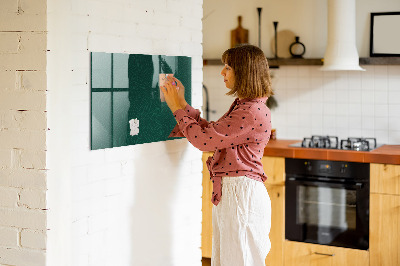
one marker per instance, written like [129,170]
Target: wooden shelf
[380,61]
[294,62]
[273,63]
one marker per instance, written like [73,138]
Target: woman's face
[229,76]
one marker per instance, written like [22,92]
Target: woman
[242,208]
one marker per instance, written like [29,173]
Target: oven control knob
[343,168]
[308,166]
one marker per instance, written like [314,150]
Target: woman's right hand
[181,91]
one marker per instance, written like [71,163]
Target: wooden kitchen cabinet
[305,254]
[274,168]
[384,236]
[277,233]
[385,215]
[206,225]
[385,178]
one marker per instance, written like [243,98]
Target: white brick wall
[135,205]
[23,132]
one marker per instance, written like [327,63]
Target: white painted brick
[79,175]
[97,173]
[8,6]
[114,186]
[8,197]
[23,61]
[160,46]
[23,178]
[13,119]
[79,228]
[128,168]
[33,159]
[169,20]
[197,10]
[30,80]
[33,199]
[16,158]
[98,222]
[9,42]
[22,22]
[23,100]
[7,80]
[96,42]
[178,9]
[8,237]
[37,7]
[80,158]
[134,45]
[197,166]
[197,63]
[190,48]
[190,22]
[159,32]
[5,158]
[20,217]
[81,63]
[17,256]
[21,139]
[33,239]
[96,156]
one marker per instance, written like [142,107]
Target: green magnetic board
[127,106]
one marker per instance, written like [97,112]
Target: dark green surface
[125,87]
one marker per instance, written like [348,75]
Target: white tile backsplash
[343,103]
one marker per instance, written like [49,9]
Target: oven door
[327,213]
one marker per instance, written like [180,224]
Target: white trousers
[241,223]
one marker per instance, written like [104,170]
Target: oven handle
[324,254]
[357,185]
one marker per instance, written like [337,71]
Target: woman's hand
[171,95]
[181,91]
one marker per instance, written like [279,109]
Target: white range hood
[341,51]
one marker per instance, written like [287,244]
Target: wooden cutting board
[239,35]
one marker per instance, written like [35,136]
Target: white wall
[306,19]
[135,205]
[23,133]
[311,102]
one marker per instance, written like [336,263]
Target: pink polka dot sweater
[238,139]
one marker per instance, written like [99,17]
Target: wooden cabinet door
[385,178]
[206,226]
[384,237]
[274,168]
[304,254]
[277,233]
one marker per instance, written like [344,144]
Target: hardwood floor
[206,261]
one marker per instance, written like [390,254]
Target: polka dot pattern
[238,139]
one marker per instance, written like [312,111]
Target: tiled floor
[206,261]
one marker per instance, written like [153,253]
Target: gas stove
[332,142]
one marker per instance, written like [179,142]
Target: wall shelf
[274,63]
[380,61]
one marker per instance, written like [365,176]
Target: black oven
[327,202]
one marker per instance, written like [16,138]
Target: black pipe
[259,26]
[207,107]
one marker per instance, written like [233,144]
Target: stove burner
[358,144]
[332,142]
[328,142]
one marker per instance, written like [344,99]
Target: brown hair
[250,66]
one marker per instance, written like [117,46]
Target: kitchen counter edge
[386,154]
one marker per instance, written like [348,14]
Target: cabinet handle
[324,254]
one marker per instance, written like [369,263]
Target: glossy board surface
[127,106]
